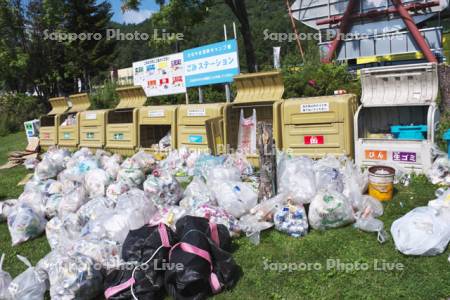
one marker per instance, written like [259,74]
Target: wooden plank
[267,161]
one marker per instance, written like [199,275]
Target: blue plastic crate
[409,132]
[447,138]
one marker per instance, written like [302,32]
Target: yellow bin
[122,122]
[318,126]
[69,122]
[261,92]
[93,129]
[156,122]
[48,132]
[381,182]
[191,128]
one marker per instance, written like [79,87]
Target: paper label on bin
[66,135]
[196,112]
[91,116]
[118,136]
[156,113]
[404,156]
[89,135]
[314,107]
[376,154]
[196,139]
[314,140]
[46,135]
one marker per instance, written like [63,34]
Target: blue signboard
[211,64]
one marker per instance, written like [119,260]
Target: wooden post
[267,161]
[444,85]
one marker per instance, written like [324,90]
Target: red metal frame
[399,8]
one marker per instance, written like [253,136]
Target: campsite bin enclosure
[261,92]
[318,126]
[48,133]
[155,122]
[191,131]
[122,122]
[69,135]
[397,95]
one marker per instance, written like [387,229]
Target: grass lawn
[421,277]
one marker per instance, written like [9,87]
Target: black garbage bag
[146,250]
[118,284]
[141,243]
[206,269]
[218,233]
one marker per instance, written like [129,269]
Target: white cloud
[135,17]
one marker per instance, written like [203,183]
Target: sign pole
[187,98]
[227,86]
[200,95]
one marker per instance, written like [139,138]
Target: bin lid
[131,97]
[262,86]
[80,102]
[415,84]
[59,105]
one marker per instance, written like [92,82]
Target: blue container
[447,138]
[410,132]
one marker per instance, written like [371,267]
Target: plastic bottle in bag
[196,194]
[292,220]
[163,188]
[96,181]
[28,285]
[237,198]
[133,177]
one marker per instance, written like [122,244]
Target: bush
[104,96]
[16,109]
[444,125]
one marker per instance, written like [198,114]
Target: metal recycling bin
[156,123]
[318,126]
[260,92]
[391,96]
[48,132]
[191,127]
[69,122]
[122,122]
[93,129]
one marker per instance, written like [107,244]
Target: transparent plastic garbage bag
[25,224]
[330,209]
[5,280]
[28,285]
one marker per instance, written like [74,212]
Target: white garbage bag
[45,169]
[329,178]
[52,186]
[111,165]
[96,181]
[266,209]
[6,207]
[24,224]
[165,142]
[423,231]
[52,205]
[5,280]
[72,200]
[75,277]
[296,178]
[291,219]
[28,285]
[218,215]
[116,189]
[330,209]
[133,177]
[146,162]
[34,199]
[163,188]
[247,133]
[196,194]
[105,252]
[61,233]
[168,215]
[93,209]
[222,173]
[237,198]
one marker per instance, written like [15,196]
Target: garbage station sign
[172,74]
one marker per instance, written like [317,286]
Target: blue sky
[147,8]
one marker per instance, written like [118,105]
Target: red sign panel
[314,140]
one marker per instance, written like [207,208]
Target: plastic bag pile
[88,204]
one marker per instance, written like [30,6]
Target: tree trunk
[240,11]
[444,83]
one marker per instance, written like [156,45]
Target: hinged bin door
[399,85]
[59,106]
[197,114]
[131,97]
[215,135]
[80,102]
[319,110]
[263,86]
[157,115]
